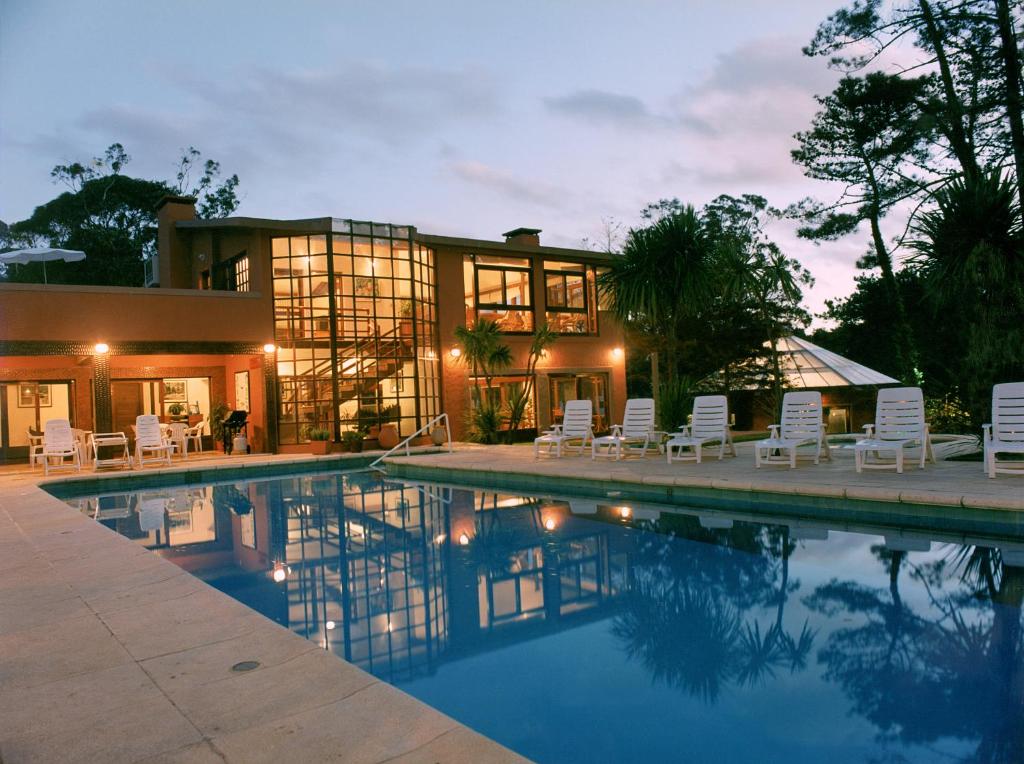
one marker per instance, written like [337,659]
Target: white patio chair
[1005,434]
[899,424]
[117,454]
[150,445]
[709,422]
[634,433]
[801,425]
[35,447]
[59,444]
[577,424]
[194,435]
[152,509]
[177,433]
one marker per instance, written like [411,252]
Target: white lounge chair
[634,433]
[177,433]
[899,424]
[116,454]
[577,424]
[150,445]
[1005,434]
[59,444]
[709,422]
[801,425]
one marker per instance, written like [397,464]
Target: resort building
[321,323]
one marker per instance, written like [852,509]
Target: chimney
[523,236]
[172,259]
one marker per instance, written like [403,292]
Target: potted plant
[319,440]
[405,318]
[217,415]
[176,410]
[352,440]
[389,415]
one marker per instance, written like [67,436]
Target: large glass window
[570,297]
[356,324]
[499,289]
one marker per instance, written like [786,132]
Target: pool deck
[943,484]
[110,653]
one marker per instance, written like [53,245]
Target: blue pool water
[579,631]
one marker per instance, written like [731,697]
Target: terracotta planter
[388,436]
[319,447]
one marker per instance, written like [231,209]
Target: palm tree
[484,351]
[667,273]
[520,399]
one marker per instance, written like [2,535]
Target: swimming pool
[610,630]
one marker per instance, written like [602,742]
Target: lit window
[499,289]
[569,297]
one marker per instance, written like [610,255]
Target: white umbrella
[41,255]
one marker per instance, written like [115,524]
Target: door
[592,387]
[127,402]
[30,404]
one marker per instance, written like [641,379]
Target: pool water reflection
[575,630]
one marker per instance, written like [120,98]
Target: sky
[461,118]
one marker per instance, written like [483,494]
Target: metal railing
[375,465]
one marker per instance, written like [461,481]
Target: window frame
[586,271]
[504,306]
[224,275]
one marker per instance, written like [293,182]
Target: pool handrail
[375,464]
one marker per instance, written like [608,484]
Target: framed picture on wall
[28,392]
[175,390]
[242,391]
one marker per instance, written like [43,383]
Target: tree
[522,397]
[870,135]
[111,217]
[485,352]
[970,251]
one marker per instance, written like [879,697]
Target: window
[503,391]
[232,275]
[569,294]
[499,289]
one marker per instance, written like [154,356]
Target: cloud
[507,185]
[601,106]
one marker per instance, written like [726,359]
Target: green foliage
[675,403]
[317,433]
[484,423]
[218,413]
[111,217]
[948,415]
[176,409]
[352,438]
[521,397]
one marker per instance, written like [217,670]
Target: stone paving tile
[31,614]
[373,725]
[125,734]
[197,753]
[49,652]
[458,746]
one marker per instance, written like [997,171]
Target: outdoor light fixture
[280,572]
[617,352]
[464,539]
[550,523]
[270,347]
[455,352]
[330,625]
[102,347]
[625,512]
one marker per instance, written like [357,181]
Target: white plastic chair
[709,422]
[177,433]
[801,425]
[117,454]
[1005,434]
[194,435]
[577,424]
[59,443]
[634,433]
[149,441]
[35,447]
[899,424]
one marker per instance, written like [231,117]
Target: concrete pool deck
[108,652]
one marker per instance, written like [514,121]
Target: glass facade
[355,323]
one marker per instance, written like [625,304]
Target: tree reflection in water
[688,618]
[955,671]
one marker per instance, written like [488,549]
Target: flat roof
[330,224]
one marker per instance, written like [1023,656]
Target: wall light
[617,352]
[455,352]
[280,572]
[101,347]
[464,539]
[625,512]
[270,347]
[330,625]
[550,523]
